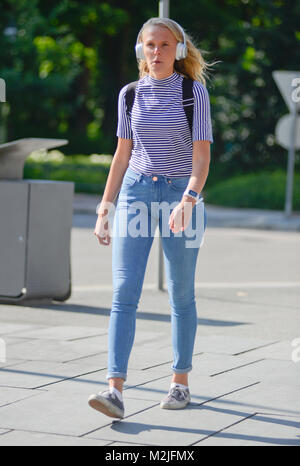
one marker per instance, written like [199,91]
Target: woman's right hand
[102,231]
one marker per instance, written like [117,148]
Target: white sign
[288,128]
[2,90]
[283,131]
[288,83]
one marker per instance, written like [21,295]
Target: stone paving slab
[57,350]
[59,413]
[7,328]
[281,350]
[216,363]
[96,381]
[62,332]
[264,397]
[40,439]
[274,371]
[10,395]
[35,374]
[259,430]
[228,344]
[203,388]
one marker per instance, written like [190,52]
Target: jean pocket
[130,178]
[180,184]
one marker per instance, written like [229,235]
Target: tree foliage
[65,62]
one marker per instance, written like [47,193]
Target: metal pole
[2,111]
[164,10]
[290,167]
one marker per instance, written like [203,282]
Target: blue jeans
[132,238]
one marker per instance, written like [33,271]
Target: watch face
[193,193]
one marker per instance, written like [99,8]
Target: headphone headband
[181,50]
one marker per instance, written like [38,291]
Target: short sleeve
[124,125]
[202,128]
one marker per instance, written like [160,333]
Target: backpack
[187,99]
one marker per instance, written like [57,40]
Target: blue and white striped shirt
[162,142]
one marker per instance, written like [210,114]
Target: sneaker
[178,398]
[107,403]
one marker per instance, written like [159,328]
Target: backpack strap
[188,101]
[129,97]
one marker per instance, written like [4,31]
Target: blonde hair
[193,66]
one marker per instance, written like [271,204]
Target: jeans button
[154,178]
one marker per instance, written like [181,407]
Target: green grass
[265,190]
[89,173]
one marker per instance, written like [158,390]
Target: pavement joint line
[69,378]
[21,399]
[226,394]
[237,367]
[83,357]
[156,365]
[58,434]
[256,348]
[224,428]
[6,432]
[61,379]
[145,383]
[118,421]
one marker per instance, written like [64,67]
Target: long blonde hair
[193,66]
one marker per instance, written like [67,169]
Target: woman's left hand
[181,216]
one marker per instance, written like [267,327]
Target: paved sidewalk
[246,377]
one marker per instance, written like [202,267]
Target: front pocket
[130,178]
[180,184]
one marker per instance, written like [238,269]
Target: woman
[157,161]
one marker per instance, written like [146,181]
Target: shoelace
[108,392]
[177,390]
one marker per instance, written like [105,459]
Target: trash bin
[35,229]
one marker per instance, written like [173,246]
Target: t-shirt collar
[165,81]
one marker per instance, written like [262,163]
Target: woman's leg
[180,258]
[129,259]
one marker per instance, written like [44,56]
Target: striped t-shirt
[162,142]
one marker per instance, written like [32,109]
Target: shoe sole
[105,407]
[173,406]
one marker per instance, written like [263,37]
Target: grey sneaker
[107,403]
[178,398]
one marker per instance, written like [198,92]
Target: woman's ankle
[117,383]
[181,379]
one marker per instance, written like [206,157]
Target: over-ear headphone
[181,50]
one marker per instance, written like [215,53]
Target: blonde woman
[160,158]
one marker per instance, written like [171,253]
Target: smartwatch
[191,193]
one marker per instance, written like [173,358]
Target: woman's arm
[200,170]
[181,215]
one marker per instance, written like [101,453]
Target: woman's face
[159,45]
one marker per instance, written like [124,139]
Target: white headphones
[181,50]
